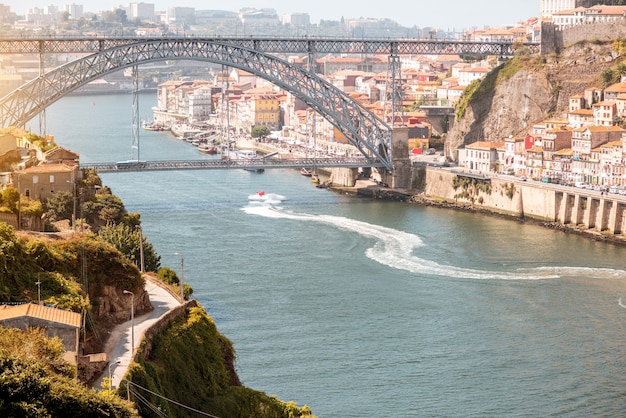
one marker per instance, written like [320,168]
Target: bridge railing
[207,164]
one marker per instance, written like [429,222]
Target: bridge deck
[206,164]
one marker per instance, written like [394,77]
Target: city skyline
[447,15]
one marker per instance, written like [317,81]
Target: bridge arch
[370,135]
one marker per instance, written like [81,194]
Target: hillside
[526,90]
[187,360]
[190,362]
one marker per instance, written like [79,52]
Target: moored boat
[305,172]
[155,126]
[207,148]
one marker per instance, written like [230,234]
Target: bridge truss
[370,135]
[301,45]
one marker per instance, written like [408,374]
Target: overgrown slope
[191,363]
[36,382]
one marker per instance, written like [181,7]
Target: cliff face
[539,87]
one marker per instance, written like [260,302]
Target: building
[55,322]
[548,7]
[484,156]
[141,11]
[42,181]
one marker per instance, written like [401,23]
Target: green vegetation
[612,74]
[480,89]
[509,190]
[44,144]
[36,382]
[191,363]
[471,188]
[128,241]
[169,276]
[619,45]
[60,266]
[260,132]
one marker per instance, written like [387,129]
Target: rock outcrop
[539,87]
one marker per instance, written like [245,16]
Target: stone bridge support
[345,177]
[401,176]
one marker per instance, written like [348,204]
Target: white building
[549,7]
[141,11]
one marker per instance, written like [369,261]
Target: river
[363,308]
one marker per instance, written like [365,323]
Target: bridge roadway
[279,45]
[208,164]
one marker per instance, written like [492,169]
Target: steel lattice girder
[277,45]
[370,135]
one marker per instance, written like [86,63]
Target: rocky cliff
[526,90]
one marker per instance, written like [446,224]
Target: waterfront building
[484,156]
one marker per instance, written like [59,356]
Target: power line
[169,400]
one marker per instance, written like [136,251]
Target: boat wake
[264,200]
[396,248]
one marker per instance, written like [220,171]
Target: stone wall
[554,39]
[583,209]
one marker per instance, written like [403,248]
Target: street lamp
[19,203]
[132,319]
[141,260]
[111,374]
[38,283]
[182,277]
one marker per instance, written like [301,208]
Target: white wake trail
[396,249]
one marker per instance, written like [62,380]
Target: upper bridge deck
[278,45]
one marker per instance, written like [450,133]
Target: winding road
[118,347]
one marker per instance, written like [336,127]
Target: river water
[363,308]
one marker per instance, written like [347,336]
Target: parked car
[523,178]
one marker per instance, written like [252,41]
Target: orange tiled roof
[51,168]
[59,316]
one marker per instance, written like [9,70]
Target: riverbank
[370,189]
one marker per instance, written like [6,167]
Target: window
[35,179]
[51,178]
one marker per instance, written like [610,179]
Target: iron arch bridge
[363,129]
[370,135]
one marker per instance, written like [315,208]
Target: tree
[10,199]
[59,206]
[260,132]
[167,275]
[126,240]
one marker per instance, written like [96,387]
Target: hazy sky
[443,14]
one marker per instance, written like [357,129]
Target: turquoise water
[366,308]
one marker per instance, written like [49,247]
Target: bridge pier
[344,177]
[401,176]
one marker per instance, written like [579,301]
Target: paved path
[118,345]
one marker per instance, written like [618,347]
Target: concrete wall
[576,207]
